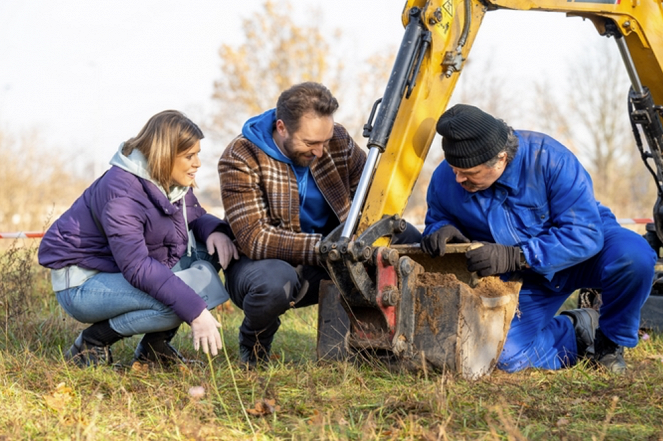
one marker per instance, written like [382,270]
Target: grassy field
[43,397]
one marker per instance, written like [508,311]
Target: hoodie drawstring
[186,225]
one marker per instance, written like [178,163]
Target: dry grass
[42,397]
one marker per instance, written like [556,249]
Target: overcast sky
[87,74]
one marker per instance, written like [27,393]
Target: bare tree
[481,85]
[37,186]
[592,120]
[277,52]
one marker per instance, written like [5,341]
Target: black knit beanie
[470,136]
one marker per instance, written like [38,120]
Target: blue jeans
[130,311]
[623,270]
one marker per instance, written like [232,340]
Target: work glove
[435,243]
[206,333]
[493,258]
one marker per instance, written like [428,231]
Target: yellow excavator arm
[447,30]
[398,299]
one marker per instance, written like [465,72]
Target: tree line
[589,116]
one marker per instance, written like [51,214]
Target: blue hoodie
[314,211]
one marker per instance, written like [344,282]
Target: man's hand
[206,333]
[493,258]
[435,243]
[224,247]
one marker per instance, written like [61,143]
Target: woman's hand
[225,248]
[205,333]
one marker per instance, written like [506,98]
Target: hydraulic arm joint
[646,117]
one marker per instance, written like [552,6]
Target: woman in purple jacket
[116,253]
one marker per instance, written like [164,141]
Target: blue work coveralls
[544,203]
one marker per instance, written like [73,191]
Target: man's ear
[281,129]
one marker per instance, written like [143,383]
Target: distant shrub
[36,184]
[17,294]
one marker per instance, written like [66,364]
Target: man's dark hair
[304,98]
[511,148]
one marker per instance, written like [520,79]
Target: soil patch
[491,286]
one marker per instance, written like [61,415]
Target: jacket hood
[136,164]
[259,131]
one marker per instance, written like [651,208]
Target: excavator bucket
[442,315]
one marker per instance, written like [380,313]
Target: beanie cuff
[470,136]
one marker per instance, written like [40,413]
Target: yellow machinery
[375,282]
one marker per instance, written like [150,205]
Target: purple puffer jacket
[145,236]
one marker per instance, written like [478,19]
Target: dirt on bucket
[459,327]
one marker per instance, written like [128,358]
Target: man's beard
[298,158]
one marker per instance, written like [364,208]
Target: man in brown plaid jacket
[286,182]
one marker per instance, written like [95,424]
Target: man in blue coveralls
[528,198]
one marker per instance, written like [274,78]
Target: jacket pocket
[532,220]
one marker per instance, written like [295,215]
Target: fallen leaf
[60,397]
[264,407]
[140,368]
[71,420]
[316,419]
[562,422]
[226,306]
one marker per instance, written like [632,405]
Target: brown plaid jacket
[261,198]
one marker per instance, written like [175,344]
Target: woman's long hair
[165,135]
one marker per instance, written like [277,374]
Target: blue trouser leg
[537,338]
[623,270]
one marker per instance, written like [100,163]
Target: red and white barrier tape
[635,221]
[22,235]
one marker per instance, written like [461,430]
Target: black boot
[609,354]
[255,346]
[251,356]
[155,348]
[92,346]
[585,321]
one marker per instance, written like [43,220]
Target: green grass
[43,397]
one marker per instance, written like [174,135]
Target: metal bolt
[436,17]
[390,255]
[334,255]
[401,226]
[390,297]
[627,24]
[407,266]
